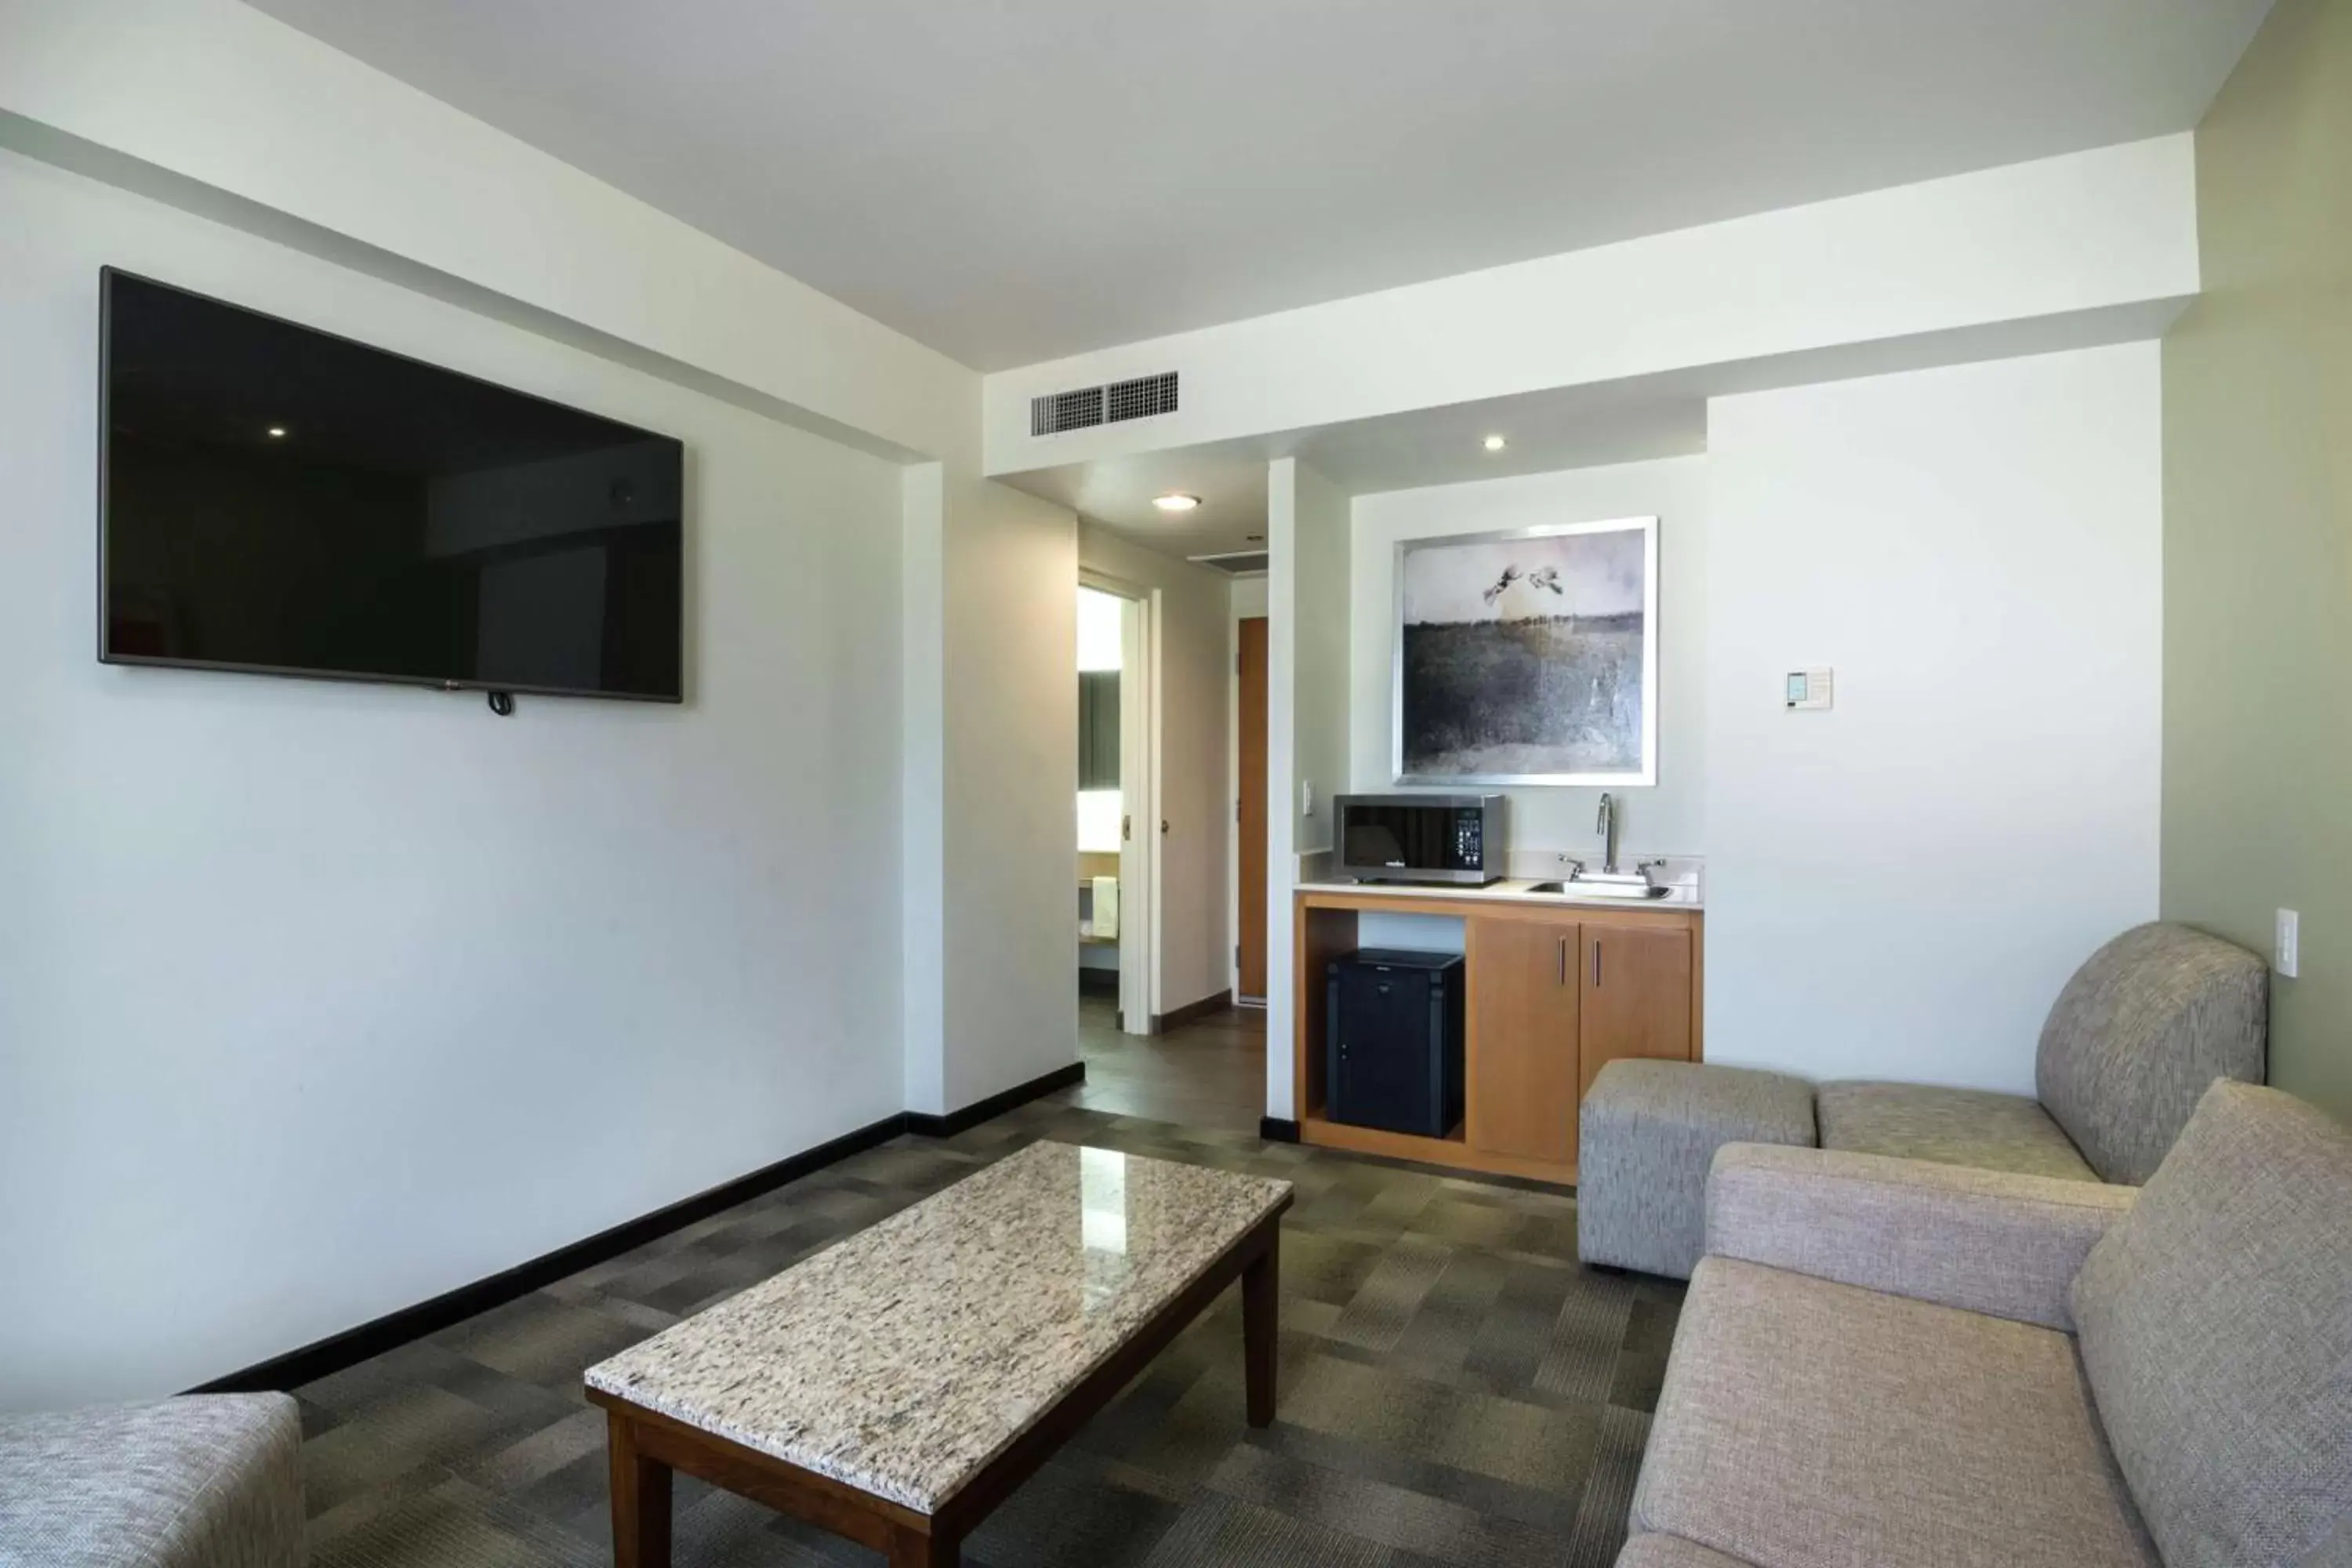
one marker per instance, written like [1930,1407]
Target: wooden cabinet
[1636,985]
[1520,1059]
[1550,1000]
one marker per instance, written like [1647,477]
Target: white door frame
[1138,788]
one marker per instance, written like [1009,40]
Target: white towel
[1106,920]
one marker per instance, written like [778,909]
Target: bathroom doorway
[1117,806]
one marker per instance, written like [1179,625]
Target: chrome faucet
[1607,826]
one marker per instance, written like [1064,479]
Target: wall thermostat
[1809,689]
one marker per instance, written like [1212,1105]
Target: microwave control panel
[1469,840]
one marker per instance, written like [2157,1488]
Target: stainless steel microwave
[1419,838]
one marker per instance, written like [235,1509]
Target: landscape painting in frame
[1529,657]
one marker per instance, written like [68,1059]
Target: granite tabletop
[906,1357]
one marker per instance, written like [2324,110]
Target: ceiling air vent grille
[1087,406]
[1140,398]
[1059,411]
[1234,562]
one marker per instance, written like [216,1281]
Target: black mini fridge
[1393,1047]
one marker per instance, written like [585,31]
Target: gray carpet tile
[1455,1389]
[1608,1491]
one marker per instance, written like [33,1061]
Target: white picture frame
[1528,656]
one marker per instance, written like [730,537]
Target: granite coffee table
[898,1386]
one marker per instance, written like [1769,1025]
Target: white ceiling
[1662,416]
[1014,180]
[1564,429]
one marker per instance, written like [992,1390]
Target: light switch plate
[2285,956]
[1305,797]
[1812,689]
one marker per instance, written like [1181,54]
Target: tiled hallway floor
[1208,1073]
[1455,1389]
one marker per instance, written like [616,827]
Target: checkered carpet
[1455,1389]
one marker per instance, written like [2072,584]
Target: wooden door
[1636,983]
[1250,956]
[1522,1068]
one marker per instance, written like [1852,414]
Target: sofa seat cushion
[1947,1126]
[1811,1425]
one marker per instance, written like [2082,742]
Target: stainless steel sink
[1632,888]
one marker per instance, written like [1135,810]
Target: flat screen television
[284,502]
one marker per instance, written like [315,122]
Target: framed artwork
[1529,657]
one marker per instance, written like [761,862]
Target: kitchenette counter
[1555,985]
[1684,898]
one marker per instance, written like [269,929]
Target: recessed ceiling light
[1494,443]
[277,432]
[1176,503]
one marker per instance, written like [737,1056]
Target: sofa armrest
[1989,1241]
[203,1481]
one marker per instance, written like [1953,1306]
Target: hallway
[1209,1074]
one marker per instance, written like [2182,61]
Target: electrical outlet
[2284,953]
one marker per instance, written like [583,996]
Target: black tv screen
[277,500]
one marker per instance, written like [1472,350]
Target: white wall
[988,723]
[1189,609]
[1307,733]
[922,784]
[2027,247]
[1011,614]
[222,110]
[1666,818]
[319,999]
[1320,600]
[1898,887]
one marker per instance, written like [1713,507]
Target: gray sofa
[2139,1031]
[213,1481]
[2144,1025]
[1884,1363]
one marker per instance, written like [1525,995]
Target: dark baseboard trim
[1098,982]
[353,1346]
[1278,1129]
[1192,1011]
[349,1348]
[924,1125]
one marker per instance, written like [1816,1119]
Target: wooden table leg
[1261,1313]
[640,1499]
[914,1548]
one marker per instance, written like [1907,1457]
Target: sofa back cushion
[2215,1324]
[2143,1026]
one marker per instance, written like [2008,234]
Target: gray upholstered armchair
[2140,1032]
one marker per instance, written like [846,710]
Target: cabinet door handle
[1563,961]
[1596,963]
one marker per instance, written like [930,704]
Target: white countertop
[1515,891]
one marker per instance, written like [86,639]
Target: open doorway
[1115,807]
[1153,766]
